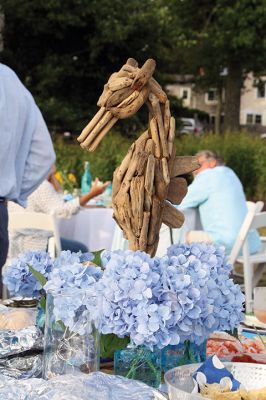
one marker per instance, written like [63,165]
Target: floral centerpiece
[157,302]
[153,303]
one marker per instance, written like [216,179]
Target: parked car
[190,126]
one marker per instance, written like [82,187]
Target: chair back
[37,221]
[258,206]
[253,210]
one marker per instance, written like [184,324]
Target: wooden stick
[156,89]
[112,78]
[167,117]
[121,170]
[116,183]
[184,165]
[177,190]
[171,136]
[147,201]
[133,107]
[149,147]
[144,74]
[166,176]
[118,97]
[137,200]
[129,174]
[119,83]
[151,250]
[158,115]
[144,231]
[140,143]
[97,128]
[142,161]
[155,216]
[132,62]
[149,176]
[91,124]
[171,216]
[155,137]
[102,134]
[104,96]
[160,185]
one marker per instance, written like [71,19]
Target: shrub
[109,154]
[243,152]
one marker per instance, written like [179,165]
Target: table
[192,222]
[93,227]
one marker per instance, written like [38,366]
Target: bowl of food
[252,376]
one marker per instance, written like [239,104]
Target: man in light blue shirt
[26,149]
[219,196]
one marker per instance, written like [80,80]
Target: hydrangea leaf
[40,278]
[110,343]
[97,257]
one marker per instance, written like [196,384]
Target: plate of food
[252,321]
[250,348]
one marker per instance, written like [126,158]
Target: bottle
[86,179]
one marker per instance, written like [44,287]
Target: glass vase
[182,354]
[139,363]
[71,340]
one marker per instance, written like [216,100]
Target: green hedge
[243,152]
[70,156]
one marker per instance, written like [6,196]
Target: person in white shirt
[48,198]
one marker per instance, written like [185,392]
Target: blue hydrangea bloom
[183,296]
[72,285]
[19,280]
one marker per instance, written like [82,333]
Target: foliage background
[241,151]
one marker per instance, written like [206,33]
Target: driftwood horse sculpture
[148,179]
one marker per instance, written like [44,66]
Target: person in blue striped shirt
[26,150]
[218,194]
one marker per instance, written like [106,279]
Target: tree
[64,50]
[227,34]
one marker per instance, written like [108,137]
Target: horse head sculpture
[148,182]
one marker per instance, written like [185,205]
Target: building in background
[252,104]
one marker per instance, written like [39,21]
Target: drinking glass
[71,345]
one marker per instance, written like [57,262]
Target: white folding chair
[254,220]
[37,221]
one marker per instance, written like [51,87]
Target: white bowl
[180,383]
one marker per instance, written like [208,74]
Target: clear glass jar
[71,339]
[139,363]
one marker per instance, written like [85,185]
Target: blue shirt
[219,196]
[26,149]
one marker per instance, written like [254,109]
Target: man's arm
[40,159]
[197,193]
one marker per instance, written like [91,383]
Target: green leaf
[110,343]
[40,278]
[97,257]
[42,302]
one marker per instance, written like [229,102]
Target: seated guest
[218,194]
[48,198]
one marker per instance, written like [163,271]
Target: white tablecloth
[192,222]
[96,228]
[92,226]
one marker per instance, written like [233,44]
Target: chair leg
[248,278]
[258,274]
